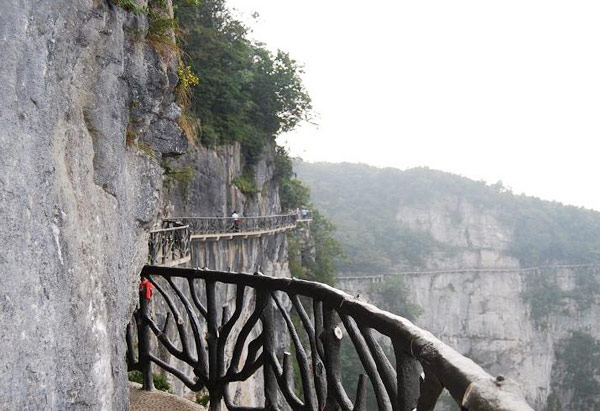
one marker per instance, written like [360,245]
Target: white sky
[492,90]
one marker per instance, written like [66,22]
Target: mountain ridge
[391,218]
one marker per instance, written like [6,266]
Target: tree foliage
[392,295]
[247,94]
[577,370]
[315,258]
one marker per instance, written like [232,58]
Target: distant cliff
[526,324]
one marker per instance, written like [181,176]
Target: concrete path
[140,400]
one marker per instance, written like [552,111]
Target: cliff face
[209,189]
[75,198]
[470,237]
[492,322]
[90,141]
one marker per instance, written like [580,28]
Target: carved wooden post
[407,371]
[216,393]
[332,339]
[163,248]
[144,341]
[268,335]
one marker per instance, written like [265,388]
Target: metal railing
[316,318]
[230,225]
[170,245]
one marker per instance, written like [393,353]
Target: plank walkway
[243,234]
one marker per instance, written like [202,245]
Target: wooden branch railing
[316,318]
[170,245]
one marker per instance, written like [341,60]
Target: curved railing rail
[202,227]
[320,316]
[170,245]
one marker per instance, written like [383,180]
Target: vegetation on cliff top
[247,94]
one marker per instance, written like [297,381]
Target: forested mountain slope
[420,218]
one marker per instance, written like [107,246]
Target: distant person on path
[236,220]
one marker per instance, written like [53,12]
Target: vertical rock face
[471,237]
[499,321]
[75,199]
[494,322]
[209,191]
[84,98]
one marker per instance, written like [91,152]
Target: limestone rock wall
[88,134]
[209,190]
[471,236]
[489,318]
[76,199]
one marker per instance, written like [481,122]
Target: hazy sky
[492,90]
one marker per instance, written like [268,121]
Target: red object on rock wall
[146,288]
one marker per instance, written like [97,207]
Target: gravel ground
[140,400]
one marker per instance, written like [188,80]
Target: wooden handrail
[401,386]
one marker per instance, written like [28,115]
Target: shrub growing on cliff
[392,295]
[160,382]
[132,6]
[546,298]
[246,184]
[577,369]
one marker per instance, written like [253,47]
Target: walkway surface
[140,400]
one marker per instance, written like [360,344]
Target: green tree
[246,94]
[392,295]
[314,258]
[578,369]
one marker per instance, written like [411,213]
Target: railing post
[173,238]
[152,247]
[216,393]
[163,243]
[268,335]
[407,374]
[144,342]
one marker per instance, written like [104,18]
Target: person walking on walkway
[236,221]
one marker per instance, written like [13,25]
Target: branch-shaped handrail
[397,387]
[169,245]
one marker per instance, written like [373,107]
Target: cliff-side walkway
[169,246]
[218,228]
